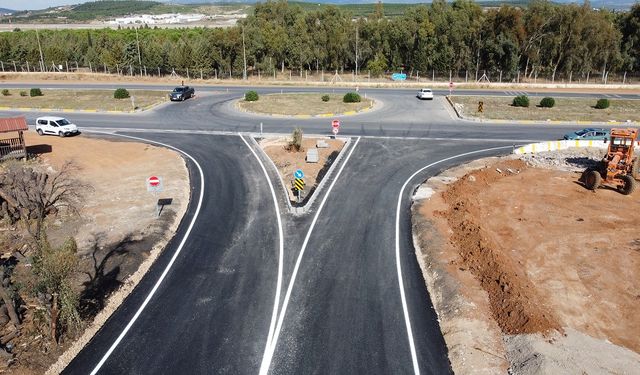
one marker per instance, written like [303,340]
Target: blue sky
[35,4]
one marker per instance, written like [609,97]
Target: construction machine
[619,167]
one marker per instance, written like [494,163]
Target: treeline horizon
[542,39]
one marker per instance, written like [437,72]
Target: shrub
[602,103]
[23,93]
[296,140]
[121,93]
[547,102]
[325,98]
[5,92]
[35,92]
[521,101]
[351,97]
[251,96]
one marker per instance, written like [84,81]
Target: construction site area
[532,260]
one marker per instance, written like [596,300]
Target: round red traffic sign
[154,181]
[335,123]
[450,84]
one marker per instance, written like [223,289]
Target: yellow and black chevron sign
[298,184]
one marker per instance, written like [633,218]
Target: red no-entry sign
[335,123]
[154,181]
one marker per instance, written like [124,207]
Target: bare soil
[509,250]
[303,104]
[117,230]
[287,162]
[565,109]
[101,100]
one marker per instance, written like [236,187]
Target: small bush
[547,102]
[351,97]
[121,93]
[23,93]
[5,92]
[296,140]
[521,101]
[325,98]
[35,92]
[251,96]
[602,104]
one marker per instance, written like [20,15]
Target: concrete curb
[71,110]
[534,148]
[301,210]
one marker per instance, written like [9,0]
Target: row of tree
[543,38]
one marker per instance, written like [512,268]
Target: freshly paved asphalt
[213,311]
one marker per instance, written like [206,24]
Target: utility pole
[356,51]
[40,48]
[138,44]
[244,57]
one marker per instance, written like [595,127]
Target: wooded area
[568,42]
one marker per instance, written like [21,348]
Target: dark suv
[182,93]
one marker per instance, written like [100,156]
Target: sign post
[154,185]
[335,125]
[298,184]
[450,87]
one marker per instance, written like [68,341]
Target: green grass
[101,100]
[565,109]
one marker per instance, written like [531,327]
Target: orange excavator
[619,167]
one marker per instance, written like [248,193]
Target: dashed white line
[412,347]
[276,303]
[268,355]
[169,265]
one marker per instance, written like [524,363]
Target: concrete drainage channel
[308,202]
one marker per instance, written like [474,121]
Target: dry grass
[303,104]
[566,109]
[101,100]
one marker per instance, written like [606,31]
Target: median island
[305,104]
[120,100]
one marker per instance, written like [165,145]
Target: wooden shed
[12,147]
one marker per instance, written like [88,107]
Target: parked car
[425,94]
[589,134]
[182,93]
[59,126]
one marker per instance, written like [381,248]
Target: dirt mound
[515,304]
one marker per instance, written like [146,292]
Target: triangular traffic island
[302,170]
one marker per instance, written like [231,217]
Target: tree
[31,195]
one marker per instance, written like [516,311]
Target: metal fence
[330,76]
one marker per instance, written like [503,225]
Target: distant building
[158,19]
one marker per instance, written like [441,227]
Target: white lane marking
[268,355]
[173,258]
[412,347]
[276,303]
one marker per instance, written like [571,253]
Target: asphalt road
[344,293]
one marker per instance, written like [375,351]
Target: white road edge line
[173,258]
[276,303]
[268,355]
[412,347]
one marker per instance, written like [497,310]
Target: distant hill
[610,4]
[6,11]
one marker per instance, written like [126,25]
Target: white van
[59,126]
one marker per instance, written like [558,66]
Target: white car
[59,126]
[425,94]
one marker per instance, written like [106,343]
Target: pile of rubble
[570,160]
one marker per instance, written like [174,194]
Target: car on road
[425,94]
[181,93]
[589,134]
[59,126]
